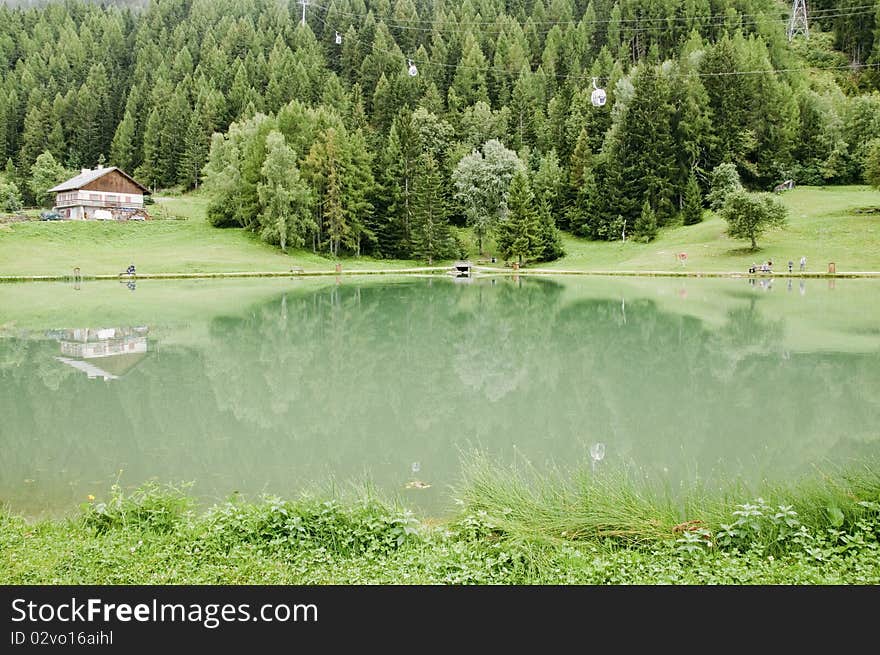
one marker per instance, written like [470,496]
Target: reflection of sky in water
[391,381]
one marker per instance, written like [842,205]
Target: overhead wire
[585,76]
[818,14]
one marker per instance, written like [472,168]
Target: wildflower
[91,498]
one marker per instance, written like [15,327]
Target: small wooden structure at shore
[462,268]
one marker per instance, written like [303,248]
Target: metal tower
[798,22]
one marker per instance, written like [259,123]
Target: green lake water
[278,386]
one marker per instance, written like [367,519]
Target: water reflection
[107,353]
[385,380]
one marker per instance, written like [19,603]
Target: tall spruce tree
[692,211]
[519,231]
[431,235]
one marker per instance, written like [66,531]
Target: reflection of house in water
[107,353]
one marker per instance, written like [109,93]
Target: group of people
[767,267]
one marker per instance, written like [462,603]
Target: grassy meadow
[825,225]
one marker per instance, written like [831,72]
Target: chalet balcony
[99,204]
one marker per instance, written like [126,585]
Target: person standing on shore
[803,264]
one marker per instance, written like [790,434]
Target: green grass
[510,530]
[823,226]
[188,245]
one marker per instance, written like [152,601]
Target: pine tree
[642,157]
[549,245]
[400,161]
[149,172]
[92,116]
[122,148]
[692,212]
[431,236]
[645,228]
[34,138]
[519,231]
[470,77]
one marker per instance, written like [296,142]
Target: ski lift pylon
[598,96]
[412,70]
[338,38]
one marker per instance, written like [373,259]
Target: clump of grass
[619,507]
[556,505]
[151,507]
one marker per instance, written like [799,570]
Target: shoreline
[435,270]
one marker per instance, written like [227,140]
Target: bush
[872,164]
[275,524]
[10,197]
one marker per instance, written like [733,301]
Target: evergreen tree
[122,148]
[692,212]
[469,83]
[519,232]
[92,116]
[549,246]
[548,183]
[431,236]
[642,158]
[645,228]
[150,171]
[401,155]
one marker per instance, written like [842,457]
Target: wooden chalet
[100,193]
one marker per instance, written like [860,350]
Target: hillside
[384,128]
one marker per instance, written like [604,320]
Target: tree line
[320,135]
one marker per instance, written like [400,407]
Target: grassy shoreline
[511,528]
[480,271]
[827,224]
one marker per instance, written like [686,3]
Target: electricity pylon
[798,22]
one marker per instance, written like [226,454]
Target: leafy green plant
[151,507]
[759,524]
[275,524]
[694,541]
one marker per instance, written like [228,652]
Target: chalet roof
[87,176]
[111,367]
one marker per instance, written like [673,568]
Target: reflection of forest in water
[363,380]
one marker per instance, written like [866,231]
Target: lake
[279,386]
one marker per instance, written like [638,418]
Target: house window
[94,196]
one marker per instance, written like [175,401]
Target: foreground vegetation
[512,528]
[826,224]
